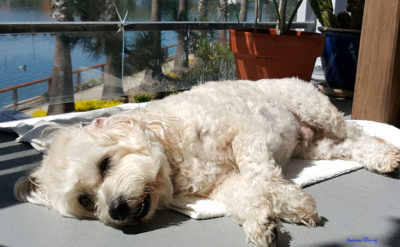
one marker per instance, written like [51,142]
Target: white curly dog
[225,141]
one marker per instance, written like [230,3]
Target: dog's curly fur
[225,141]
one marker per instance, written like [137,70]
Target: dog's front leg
[260,206]
[250,207]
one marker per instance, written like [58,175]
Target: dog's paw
[310,220]
[307,216]
[307,213]
[383,157]
[394,165]
[262,234]
[302,211]
[391,164]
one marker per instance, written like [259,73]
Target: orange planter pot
[264,54]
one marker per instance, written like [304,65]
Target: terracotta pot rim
[264,55]
[272,31]
[267,45]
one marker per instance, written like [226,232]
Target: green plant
[214,62]
[281,10]
[283,27]
[349,19]
[142,98]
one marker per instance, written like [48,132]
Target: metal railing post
[78,78]
[15,98]
[102,73]
[48,84]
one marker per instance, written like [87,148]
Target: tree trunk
[203,15]
[156,16]
[61,94]
[182,55]
[113,86]
[61,87]
[243,11]
[156,10]
[223,11]
[182,10]
[113,81]
[203,10]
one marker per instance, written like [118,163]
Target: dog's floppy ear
[96,124]
[23,188]
[26,189]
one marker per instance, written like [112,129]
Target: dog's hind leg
[373,153]
[306,103]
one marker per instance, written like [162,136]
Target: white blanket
[301,172]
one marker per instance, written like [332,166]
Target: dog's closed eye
[86,201]
[104,165]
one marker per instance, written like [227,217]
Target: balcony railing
[65,27]
[53,27]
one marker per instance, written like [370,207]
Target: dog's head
[114,169]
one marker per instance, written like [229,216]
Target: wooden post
[377,90]
[15,98]
[102,73]
[48,85]
[78,78]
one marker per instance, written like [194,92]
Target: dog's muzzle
[120,210]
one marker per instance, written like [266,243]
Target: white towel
[301,172]
[30,130]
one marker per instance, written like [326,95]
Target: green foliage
[282,11]
[213,62]
[144,52]
[142,98]
[349,19]
[208,51]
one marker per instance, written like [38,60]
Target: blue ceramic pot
[339,59]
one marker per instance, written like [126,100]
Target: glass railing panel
[51,69]
[137,10]
[47,73]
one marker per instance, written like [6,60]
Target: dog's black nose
[119,209]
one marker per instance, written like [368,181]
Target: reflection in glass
[61,95]
[81,66]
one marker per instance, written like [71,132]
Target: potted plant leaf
[275,53]
[340,55]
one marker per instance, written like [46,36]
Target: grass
[84,105]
